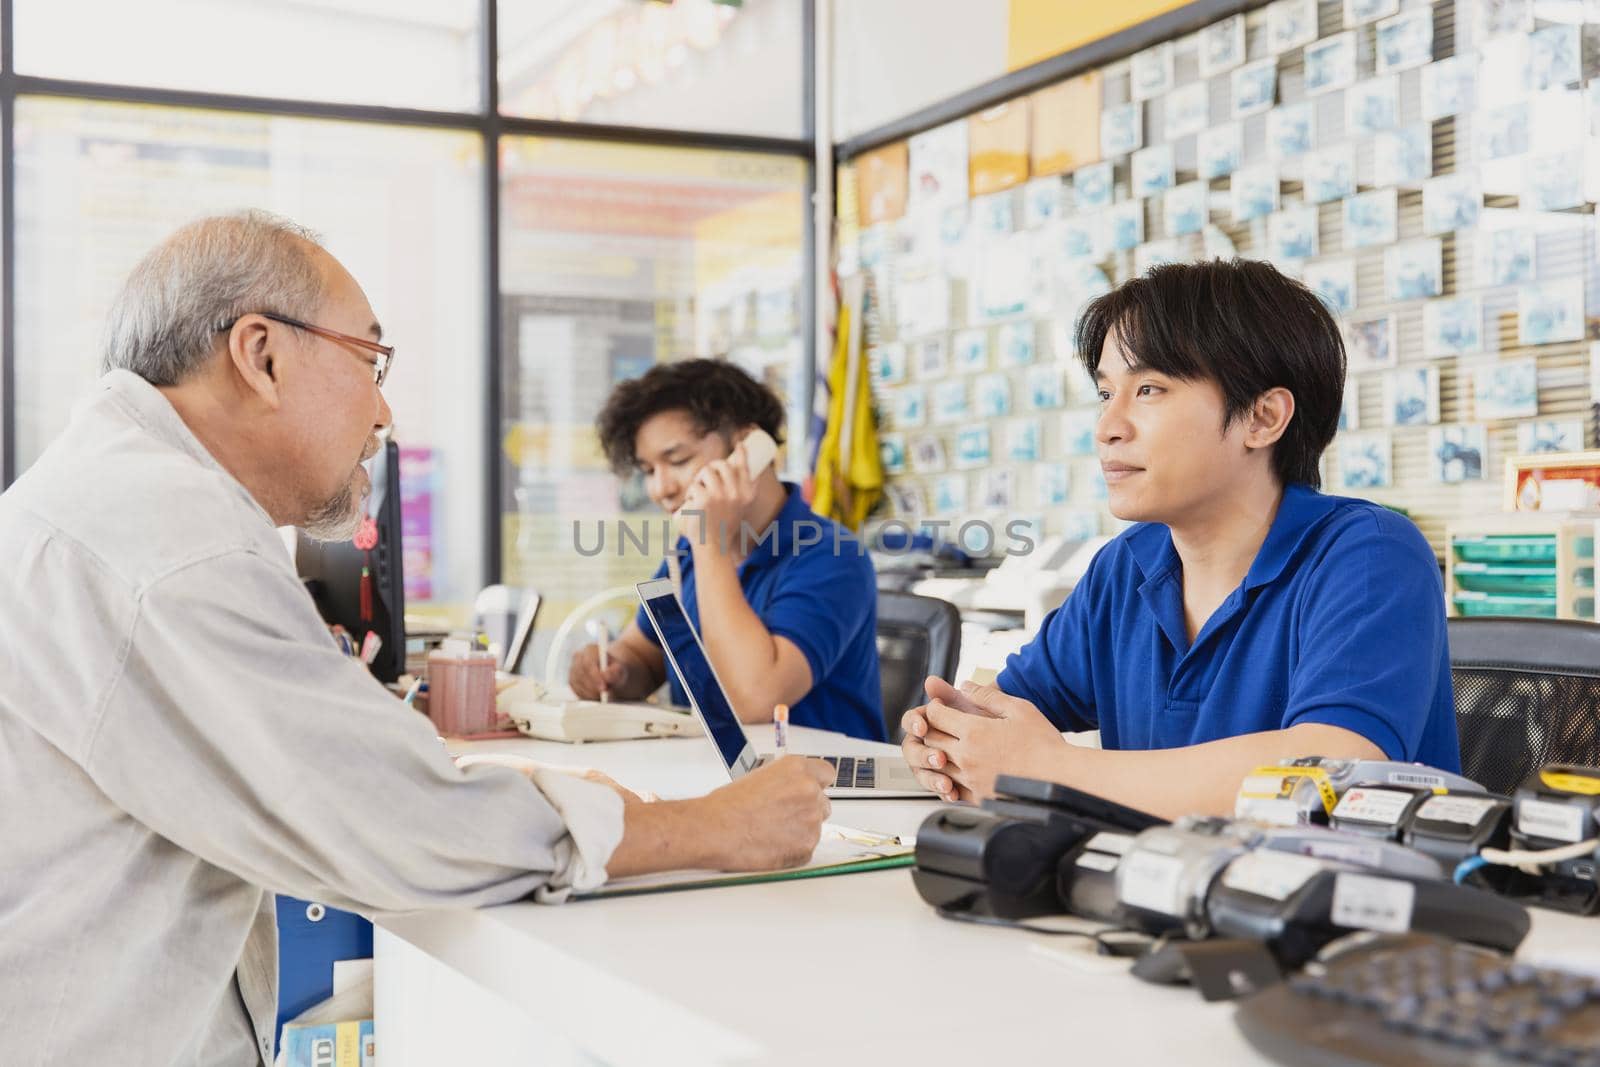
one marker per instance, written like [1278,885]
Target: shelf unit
[1528,564]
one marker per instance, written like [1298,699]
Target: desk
[828,970]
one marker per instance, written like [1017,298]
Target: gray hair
[164,323]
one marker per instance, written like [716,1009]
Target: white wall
[893,57]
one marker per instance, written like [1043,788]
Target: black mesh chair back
[1527,694]
[917,636]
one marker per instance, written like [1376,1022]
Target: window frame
[486,121]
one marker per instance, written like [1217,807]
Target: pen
[411,692]
[780,728]
[866,837]
[602,638]
[369,647]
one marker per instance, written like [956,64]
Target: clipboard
[841,851]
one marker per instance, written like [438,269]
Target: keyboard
[1418,1001]
[850,772]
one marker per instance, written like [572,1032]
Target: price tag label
[1366,903]
[1383,806]
[1541,818]
[1152,882]
[1465,810]
[1270,874]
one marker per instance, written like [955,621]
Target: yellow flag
[849,474]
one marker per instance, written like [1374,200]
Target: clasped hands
[960,740]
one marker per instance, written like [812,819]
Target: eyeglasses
[383,354]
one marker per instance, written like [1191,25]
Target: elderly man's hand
[769,819]
[968,737]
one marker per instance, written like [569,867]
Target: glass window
[613,258]
[398,53]
[689,65]
[99,184]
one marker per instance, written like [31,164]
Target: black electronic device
[1557,810]
[360,584]
[1166,874]
[1003,859]
[1452,827]
[1297,904]
[1306,789]
[1415,1001]
[1380,811]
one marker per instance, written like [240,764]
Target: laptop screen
[688,658]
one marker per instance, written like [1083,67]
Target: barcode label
[1427,781]
[1366,903]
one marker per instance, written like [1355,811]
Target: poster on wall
[1061,141]
[938,162]
[417,477]
[997,147]
[881,183]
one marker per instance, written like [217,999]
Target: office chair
[917,636]
[1527,694]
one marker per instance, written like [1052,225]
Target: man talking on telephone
[785,600]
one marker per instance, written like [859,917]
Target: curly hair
[717,396]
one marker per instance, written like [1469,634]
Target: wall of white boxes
[1430,169]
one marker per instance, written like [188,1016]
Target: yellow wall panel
[1040,29]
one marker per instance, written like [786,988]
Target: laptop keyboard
[849,772]
[852,773]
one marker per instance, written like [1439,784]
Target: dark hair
[1239,323]
[717,396]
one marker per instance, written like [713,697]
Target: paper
[997,145]
[840,851]
[881,183]
[1061,140]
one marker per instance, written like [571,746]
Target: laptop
[856,777]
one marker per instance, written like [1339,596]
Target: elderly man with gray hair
[180,738]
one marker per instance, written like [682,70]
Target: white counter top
[851,969]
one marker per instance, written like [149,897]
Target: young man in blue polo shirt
[785,600]
[1246,617]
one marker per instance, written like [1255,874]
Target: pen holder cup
[461,692]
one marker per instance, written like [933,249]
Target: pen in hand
[602,639]
[780,729]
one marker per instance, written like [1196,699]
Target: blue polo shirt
[812,582]
[1340,620]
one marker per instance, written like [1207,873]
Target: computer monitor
[331,571]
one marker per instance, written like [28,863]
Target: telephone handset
[760,450]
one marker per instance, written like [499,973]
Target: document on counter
[841,850]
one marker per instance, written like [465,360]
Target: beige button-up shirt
[180,739]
